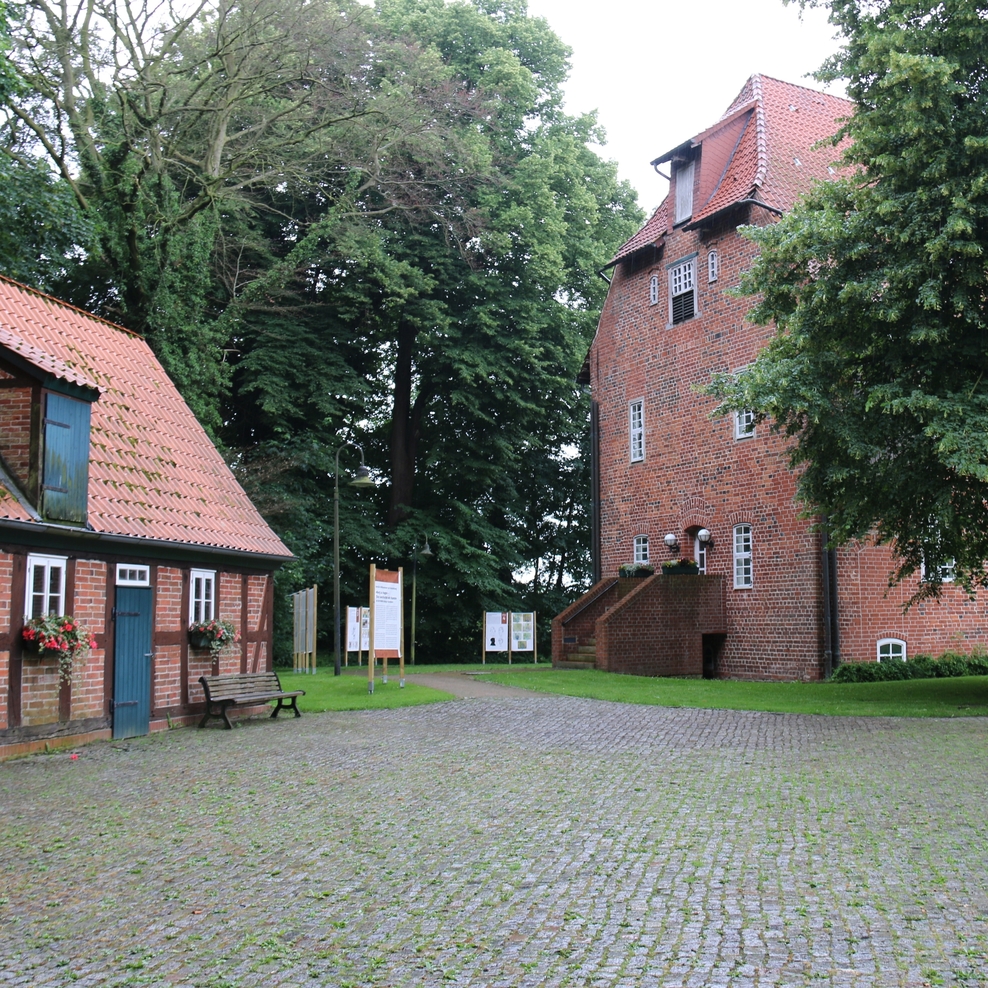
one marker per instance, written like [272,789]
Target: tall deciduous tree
[453,361]
[877,285]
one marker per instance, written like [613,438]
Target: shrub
[919,667]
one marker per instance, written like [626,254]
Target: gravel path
[503,840]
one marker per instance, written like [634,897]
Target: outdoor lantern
[671,541]
[703,535]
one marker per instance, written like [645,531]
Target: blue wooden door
[132,662]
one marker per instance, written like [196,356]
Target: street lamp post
[426,554]
[362,479]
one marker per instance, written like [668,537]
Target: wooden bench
[245,689]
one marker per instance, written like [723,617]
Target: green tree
[876,283]
[450,358]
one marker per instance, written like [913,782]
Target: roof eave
[159,547]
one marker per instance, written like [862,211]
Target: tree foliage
[877,285]
[338,223]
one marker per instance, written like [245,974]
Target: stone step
[573,663]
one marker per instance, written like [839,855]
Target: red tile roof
[153,472]
[764,147]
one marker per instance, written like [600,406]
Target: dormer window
[65,462]
[684,191]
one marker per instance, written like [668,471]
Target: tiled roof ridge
[68,305]
[761,132]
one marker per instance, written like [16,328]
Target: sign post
[508,632]
[304,614]
[386,623]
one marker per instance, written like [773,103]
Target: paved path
[508,842]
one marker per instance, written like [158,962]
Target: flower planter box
[201,642]
[682,569]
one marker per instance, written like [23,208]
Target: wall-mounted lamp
[704,536]
[671,542]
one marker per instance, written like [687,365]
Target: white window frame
[700,554]
[129,575]
[684,175]
[48,565]
[889,645]
[653,290]
[741,548]
[640,549]
[682,281]
[202,605]
[713,266]
[744,424]
[636,430]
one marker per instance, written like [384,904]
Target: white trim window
[653,290]
[202,595]
[743,575]
[700,554]
[684,191]
[636,430]
[682,291]
[891,650]
[641,549]
[713,266]
[44,592]
[744,424]
[133,576]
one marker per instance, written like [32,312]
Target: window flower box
[213,635]
[56,636]
[680,567]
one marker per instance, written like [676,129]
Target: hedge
[918,667]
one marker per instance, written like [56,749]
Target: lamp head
[671,541]
[426,552]
[703,535]
[362,478]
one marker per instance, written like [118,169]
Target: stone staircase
[582,657]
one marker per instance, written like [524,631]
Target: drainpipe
[831,624]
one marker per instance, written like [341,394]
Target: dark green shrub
[919,667]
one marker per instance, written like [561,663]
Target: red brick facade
[693,472]
[36,708]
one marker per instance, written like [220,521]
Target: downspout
[831,617]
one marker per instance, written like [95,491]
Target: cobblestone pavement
[503,841]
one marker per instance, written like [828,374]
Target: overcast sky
[660,71]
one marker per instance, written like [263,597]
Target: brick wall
[167,676]
[170,604]
[39,691]
[15,432]
[657,628]
[231,609]
[6,578]
[89,609]
[697,474]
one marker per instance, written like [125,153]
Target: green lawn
[324,691]
[965,696]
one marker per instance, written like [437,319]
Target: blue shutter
[65,480]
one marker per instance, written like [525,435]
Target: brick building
[670,480]
[116,509]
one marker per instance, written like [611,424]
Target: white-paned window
[641,549]
[713,265]
[202,595]
[700,554]
[744,424]
[684,192]
[682,291]
[133,576]
[636,430]
[653,290]
[742,557]
[45,589]
[891,648]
